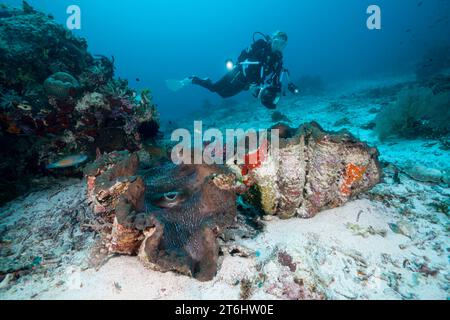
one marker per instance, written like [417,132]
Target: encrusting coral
[92,100]
[33,46]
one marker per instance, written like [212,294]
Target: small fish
[137,79]
[71,161]
[400,228]
[395,228]
[117,286]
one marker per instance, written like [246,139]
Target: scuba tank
[230,64]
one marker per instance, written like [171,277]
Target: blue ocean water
[378,203]
[161,39]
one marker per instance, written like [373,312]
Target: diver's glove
[293,88]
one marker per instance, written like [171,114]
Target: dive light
[293,88]
[229,64]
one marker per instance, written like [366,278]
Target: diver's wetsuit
[268,70]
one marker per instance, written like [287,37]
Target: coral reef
[33,46]
[317,170]
[439,83]
[56,100]
[91,101]
[61,85]
[418,112]
[366,249]
[9,100]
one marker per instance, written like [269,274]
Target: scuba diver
[258,68]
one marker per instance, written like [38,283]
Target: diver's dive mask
[278,44]
[279,41]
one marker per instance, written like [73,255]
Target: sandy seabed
[390,243]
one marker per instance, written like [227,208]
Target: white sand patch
[329,257]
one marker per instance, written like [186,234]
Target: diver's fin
[176,85]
